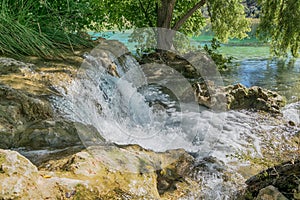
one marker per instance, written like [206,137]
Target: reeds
[31,27]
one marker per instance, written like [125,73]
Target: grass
[42,34]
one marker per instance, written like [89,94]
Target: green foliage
[195,23]
[42,28]
[227,16]
[279,22]
[220,60]
[228,19]
[280,25]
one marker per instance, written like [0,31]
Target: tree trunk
[164,17]
[165,33]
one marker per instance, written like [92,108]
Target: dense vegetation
[279,19]
[43,28]
[46,28]
[280,25]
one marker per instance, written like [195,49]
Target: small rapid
[125,109]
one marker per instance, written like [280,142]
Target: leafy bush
[220,60]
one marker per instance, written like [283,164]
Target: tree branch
[185,17]
[146,13]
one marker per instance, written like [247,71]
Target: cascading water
[129,110]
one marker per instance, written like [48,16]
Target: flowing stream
[129,110]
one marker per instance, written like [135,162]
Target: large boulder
[192,65]
[20,179]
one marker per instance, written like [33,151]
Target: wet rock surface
[278,182]
[270,192]
[202,73]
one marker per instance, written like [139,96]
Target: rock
[48,134]
[45,140]
[24,93]
[285,177]
[138,174]
[190,65]
[210,96]
[270,193]
[10,65]
[18,108]
[27,121]
[238,97]
[18,177]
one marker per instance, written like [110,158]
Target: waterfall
[129,110]
[113,94]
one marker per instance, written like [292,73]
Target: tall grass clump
[42,28]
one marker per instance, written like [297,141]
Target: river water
[255,65]
[121,110]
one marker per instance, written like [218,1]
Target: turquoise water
[255,64]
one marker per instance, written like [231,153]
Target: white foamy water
[122,115]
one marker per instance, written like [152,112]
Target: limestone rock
[107,172]
[20,180]
[270,193]
[10,65]
[131,171]
[238,97]
[18,108]
[48,134]
[18,177]
[45,140]
[190,65]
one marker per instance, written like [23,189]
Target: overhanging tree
[280,19]
[227,17]
[280,25]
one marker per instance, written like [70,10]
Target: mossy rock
[285,177]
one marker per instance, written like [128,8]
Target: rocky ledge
[238,97]
[129,173]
